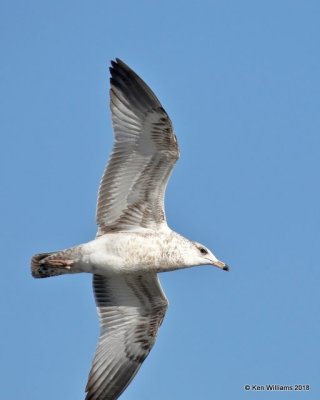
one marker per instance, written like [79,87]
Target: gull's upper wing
[131,310]
[131,193]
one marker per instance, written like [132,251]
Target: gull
[133,243]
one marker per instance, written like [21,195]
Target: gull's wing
[131,193]
[131,310]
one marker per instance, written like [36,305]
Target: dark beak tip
[226,268]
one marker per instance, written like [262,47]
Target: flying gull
[133,241]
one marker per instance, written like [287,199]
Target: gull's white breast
[130,252]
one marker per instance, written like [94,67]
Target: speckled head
[206,257]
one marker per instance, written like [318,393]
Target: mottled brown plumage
[131,192]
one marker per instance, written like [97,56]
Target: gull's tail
[45,265]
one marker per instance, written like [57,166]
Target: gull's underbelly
[129,253]
[129,257]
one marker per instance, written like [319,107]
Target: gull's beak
[220,264]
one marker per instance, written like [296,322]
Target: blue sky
[240,80]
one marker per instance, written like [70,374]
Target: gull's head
[203,256]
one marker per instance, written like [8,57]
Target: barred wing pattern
[131,193]
[131,310]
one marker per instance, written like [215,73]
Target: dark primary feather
[131,310]
[131,193]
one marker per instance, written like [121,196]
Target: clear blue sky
[240,80]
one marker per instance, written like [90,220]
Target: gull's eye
[203,251]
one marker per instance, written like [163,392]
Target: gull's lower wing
[131,193]
[131,310]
